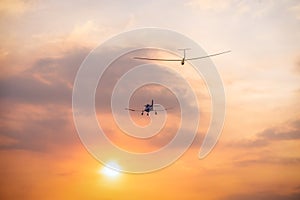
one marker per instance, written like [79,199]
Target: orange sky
[258,154]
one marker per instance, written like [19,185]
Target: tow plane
[148,108]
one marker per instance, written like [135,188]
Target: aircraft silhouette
[183,59]
[148,108]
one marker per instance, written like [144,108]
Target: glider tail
[184,54]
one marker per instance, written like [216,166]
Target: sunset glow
[113,173]
[44,43]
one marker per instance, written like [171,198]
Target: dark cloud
[28,89]
[296,124]
[48,81]
[291,131]
[286,132]
[39,133]
[297,188]
[249,143]
[263,196]
[274,134]
[36,104]
[268,160]
[62,68]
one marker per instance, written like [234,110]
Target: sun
[111,172]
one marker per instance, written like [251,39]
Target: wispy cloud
[290,131]
[269,160]
[263,196]
[15,7]
[38,132]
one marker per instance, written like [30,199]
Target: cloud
[79,34]
[290,131]
[38,128]
[256,151]
[268,160]
[273,134]
[263,196]
[251,143]
[30,90]
[36,104]
[48,81]
[297,188]
[296,124]
[15,7]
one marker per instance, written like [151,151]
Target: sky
[43,44]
